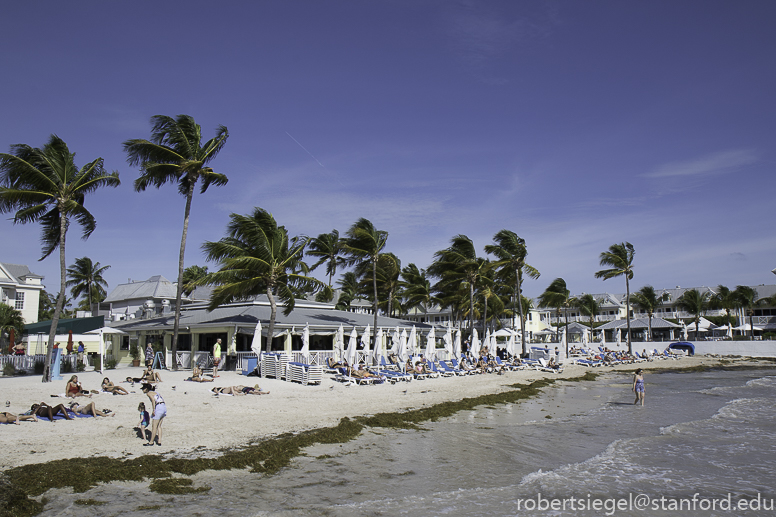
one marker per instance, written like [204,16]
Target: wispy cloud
[717,163]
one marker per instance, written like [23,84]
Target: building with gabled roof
[20,288]
[142,299]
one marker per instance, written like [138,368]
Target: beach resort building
[20,288]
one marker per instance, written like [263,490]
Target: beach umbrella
[69,340]
[365,337]
[564,344]
[492,343]
[486,341]
[431,345]
[395,341]
[102,331]
[511,343]
[403,355]
[378,352]
[619,337]
[412,342]
[350,355]
[457,344]
[306,343]
[256,341]
[684,332]
[447,339]
[585,338]
[475,349]
[339,343]
[603,337]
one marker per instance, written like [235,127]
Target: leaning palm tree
[257,257]
[725,299]
[350,290]
[458,266]
[364,244]
[747,299]
[175,154]
[388,283]
[190,277]
[417,289]
[619,258]
[510,252]
[44,184]
[648,300]
[589,306]
[329,250]
[696,303]
[85,277]
[556,296]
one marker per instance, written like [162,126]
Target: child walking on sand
[145,419]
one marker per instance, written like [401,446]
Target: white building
[20,288]
[142,299]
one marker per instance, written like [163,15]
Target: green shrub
[38,368]
[65,367]
[9,370]
[80,367]
[110,364]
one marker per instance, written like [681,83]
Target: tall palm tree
[365,243]
[328,247]
[589,306]
[175,154]
[350,289]
[510,252]
[85,277]
[10,318]
[388,283]
[747,298]
[44,184]
[257,257]
[696,303]
[648,300]
[458,266]
[418,291]
[558,297]
[726,299]
[619,258]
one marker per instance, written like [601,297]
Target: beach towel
[60,417]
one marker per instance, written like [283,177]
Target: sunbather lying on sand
[89,409]
[108,386]
[44,409]
[9,418]
[239,390]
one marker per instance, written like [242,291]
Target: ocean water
[704,444]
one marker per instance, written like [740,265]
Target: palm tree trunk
[60,299]
[471,308]
[520,307]
[374,287]
[179,289]
[566,330]
[273,312]
[751,325]
[649,338]
[485,314]
[627,314]
[89,288]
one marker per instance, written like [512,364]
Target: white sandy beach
[196,418]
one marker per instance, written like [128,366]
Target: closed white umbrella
[619,337]
[684,332]
[365,339]
[492,344]
[486,341]
[431,345]
[350,355]
[511,343]
[585,338]
[378,352]
[447,339]
[339,343]
[403,352]
[412,342]
[256,341]
[564,344]
[395,341]
[457,344]
[306,343]
[475,349]
[603,337]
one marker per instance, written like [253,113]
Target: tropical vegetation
[44,185]
[619,259]
[85,278]
[648,301]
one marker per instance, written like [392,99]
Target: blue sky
[574,124]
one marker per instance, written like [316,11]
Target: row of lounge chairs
[603,358]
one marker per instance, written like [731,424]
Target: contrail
[314,158]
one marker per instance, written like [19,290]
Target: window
[19,301]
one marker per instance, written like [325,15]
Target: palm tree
[620,259]
[329,248]
[696,303]
[365,243]
[417,289]
[86,277]
[257,257]
[10,318]
[350,289]
[589,306]
[648,300]
[191,275]
[44,184]
[175,154]
[510,252]
[725,299]
[458,266]
[557,297]
[747,298]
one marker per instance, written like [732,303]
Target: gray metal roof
[246,314]
[639,323]
[19,271]
[156,287]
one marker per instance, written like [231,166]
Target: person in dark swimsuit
[638,386]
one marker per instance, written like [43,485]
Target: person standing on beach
[216,357]
[157,414]
[81,350]
[638,386]
[149,355]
